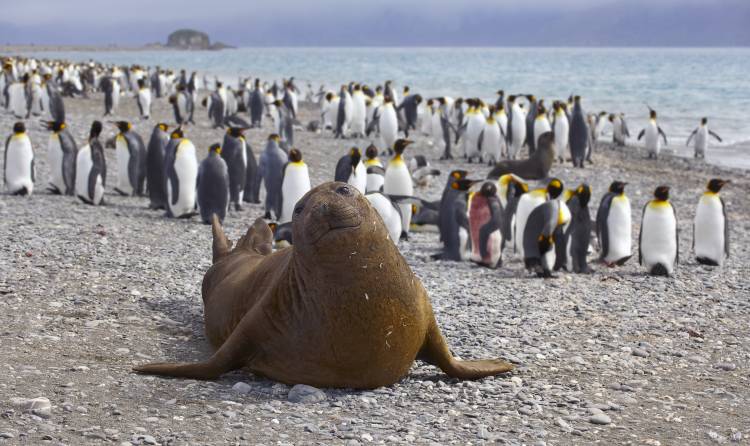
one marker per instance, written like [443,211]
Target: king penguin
[578,234]
[561,128]
[652,133]
[388,124]
[251,193]
[527,203]
[711,226]
[213,186]
[375,170]
[579,134]
[18,168]
[295,183]
[271,169]
[538,236]
[658,241]
[131,160]
[91,168]
[516,128]
[398,181]
[155,154]
[701,134]
[350,169]
[613,226]
[454,221]
[61,157]
[143,96]
[485,221]
[234,154]
[181,175]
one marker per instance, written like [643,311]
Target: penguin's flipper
[726,227]
[715,135]
[663,135]
[640,237]
[687,143]
[640,135]
[602,231]
[435,351]
[676,238]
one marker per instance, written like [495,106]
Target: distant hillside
[190,39]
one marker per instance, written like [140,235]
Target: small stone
[483,433]
[641,353]
[40,407]
[302,393]
[727,366]
[367,437]
[737,437]
[148,439]
[7,435]
[599,418]
[243,388]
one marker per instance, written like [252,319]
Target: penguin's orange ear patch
[454,185]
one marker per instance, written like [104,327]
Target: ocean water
[682,84]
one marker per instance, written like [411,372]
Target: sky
[382,22]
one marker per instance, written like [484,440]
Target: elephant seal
[536,167]
[339,308]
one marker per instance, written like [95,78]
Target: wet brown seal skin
[535,167]
[339,308]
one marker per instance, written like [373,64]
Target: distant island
[190,39]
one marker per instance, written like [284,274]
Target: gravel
[88,292]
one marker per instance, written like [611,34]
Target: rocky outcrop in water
[190,39]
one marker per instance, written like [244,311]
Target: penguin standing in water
[398,181]
[538,236]
[350,169]
[181,175]
[234,155]
[155,154]
[213,186]
[295,183]
[516,128]
[18,167]
[91,168]
[561,128]
[131,160]
[256,104]
[579,134]
[658,242]
[652,132]
[711,226]
[143,96]
[701,134]
[613,226]
[375,170]
[61,157]
[578,234]
[485,222]
[454,222]
[271,170]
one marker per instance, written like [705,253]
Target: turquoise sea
[682,84]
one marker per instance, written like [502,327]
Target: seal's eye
[298,209]
[344,190]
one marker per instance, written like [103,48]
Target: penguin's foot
[267,215]
[237,207]
[404,236]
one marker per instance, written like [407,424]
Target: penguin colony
[549,228]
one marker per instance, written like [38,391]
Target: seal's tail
[435,351]
[198,370]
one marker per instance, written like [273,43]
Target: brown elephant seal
[536,167]
[339,308]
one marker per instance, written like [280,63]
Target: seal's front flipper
[435,351]
[222,245]
[259,238]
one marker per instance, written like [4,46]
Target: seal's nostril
[344,190]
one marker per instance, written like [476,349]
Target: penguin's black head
[215,149]
[371,152]
[576,99]
[492,109]
[388,99]
[379,89]
[617,187]
[19,127]
[177,133]
[662,193]
[488,189]
[652,114]
[295,156]
[329,96]
[55,126]
[704,121]
[162,126]
[511,98]
[554,188]
[458,102]
[541,109]
[462,185]
[583,192]
[141,83]
[441,100]
[458,174]
[355,156]
[400,145]
[274,137]
[430,102]
[418,98]
[180,87]
[716,184]
[611,117]
[236,132]
[172,99]
[406,89]
[277,102]
[96,130]
[501,93]
[123,126]
[219,84]
[531,97]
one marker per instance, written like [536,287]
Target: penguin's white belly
[527,203]
[658,241]
[115,94]
[84,163]
[388,126]
[491,141]
[18,171]
[144,98]
[358,114]
[619,230]
[398,182]
[653,144]
[709,229]
[123,159]
[701,140]
[55,160]
[374,182]
[17,100]
[388,213]
[541,126]
[436,130]
[186,169]
[548,259]
[562,130]
[474,127]
[296,184]
[518,125]
[358,178]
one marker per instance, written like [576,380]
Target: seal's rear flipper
[435,351]
[259,238]
[222,245]
[198,370]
